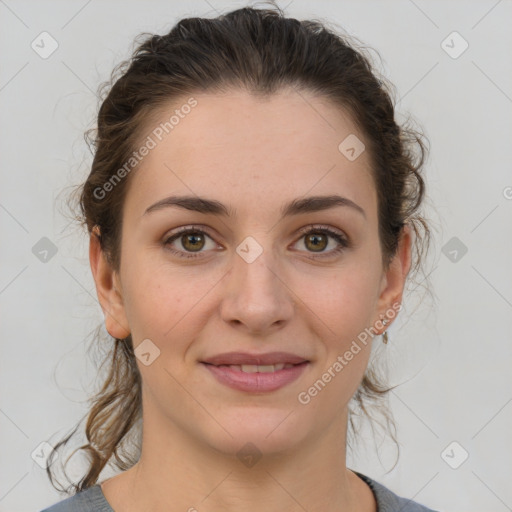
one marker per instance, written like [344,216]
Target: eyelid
[302,230]
[322,227]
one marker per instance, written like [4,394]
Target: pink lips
[255,382]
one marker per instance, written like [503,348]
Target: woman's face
[249,278]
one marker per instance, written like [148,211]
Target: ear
[108,289]
[394,279]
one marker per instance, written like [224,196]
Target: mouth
[258,368]
[256,377]
[264,360]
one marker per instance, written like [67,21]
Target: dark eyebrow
[295,207]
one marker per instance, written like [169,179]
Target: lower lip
[256,382]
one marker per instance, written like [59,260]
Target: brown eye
[317,242]
[192,241]
[189,243]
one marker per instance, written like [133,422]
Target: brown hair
[261,51]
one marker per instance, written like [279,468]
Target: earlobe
[109,296]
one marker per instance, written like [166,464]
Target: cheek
[164,303]
[343,301]
[342,315]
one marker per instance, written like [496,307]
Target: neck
[176,472]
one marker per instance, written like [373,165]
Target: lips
[256,378]
[256,360]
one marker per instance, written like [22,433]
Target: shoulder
[93,500]
[89,500]
[388,501]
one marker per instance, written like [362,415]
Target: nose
[256,297]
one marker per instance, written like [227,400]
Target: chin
[270,431]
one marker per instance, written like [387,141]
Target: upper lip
[257,359]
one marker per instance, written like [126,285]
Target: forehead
[251,150]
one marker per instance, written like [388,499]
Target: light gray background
[453,356]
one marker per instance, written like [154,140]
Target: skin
[253,155]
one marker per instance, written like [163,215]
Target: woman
[253,214]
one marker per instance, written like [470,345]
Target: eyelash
[342,240]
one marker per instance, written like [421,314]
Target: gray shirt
[93,500]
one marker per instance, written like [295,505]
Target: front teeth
[255,368]
[264,368]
